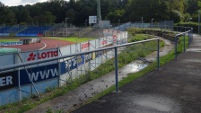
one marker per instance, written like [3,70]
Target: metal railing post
[175,47]
[116,69]
[184,42]
[189,39]
[192,34]
[158,56]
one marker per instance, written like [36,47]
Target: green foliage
[8,40]
[189,24]
[74,39]
[55,11]
[133,31]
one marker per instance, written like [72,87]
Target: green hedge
[194,25]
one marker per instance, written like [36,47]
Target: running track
[45,44]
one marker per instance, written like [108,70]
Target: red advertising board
[85,46]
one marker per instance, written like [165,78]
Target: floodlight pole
[99,11]
[199,22]
[142,22]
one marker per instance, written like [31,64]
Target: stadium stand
[33,31]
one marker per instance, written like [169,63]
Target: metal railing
[187,30]
[23,65]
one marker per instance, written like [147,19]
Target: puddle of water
[135,67]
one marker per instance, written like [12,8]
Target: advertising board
[38,74]
[92,19]
[8,80]
[11,43]
[85,46]
[71,63]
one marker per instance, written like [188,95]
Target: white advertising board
[92,19]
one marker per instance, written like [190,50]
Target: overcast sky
[20,2]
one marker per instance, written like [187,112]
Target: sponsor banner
[40,34]
[93,55]
[85,46]
[88,57]
[4,34]
[71,63]
[110,39]
[11,43]
[92,19]
[8,80]
[33,35]
[38,74]
[99,53]
[118,37]
[80,60]
[126,35]
[114,38]
[103,42]
[39,55]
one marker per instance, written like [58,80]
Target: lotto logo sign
[42,55]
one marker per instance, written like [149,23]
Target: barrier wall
[22,83]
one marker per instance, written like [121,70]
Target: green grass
[138,37]
[74,39]
[8,40]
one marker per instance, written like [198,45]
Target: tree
[116,15]
[148,9]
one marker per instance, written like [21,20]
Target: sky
[20,2]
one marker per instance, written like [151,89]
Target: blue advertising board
[99,53]
[71,63]
[39,74]
[88,57]
[26,34]
[11,43]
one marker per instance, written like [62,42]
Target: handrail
[183,34]
[74,54]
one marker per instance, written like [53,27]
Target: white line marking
[45,45]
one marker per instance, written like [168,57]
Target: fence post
[19,86]
[158,57]
[184,42]
[192,34]
[116,69]
[175,47]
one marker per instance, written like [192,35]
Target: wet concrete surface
[77,97]
[176,88]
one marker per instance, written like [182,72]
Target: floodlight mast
[99,18]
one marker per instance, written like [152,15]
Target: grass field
[9,40]
[69,39]
[73,39]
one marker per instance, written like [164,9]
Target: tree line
[77,12]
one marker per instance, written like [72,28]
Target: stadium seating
[33,31]
[23,30]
